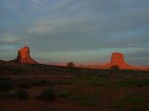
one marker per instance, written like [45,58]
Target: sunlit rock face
[117,58]
[117,62]
[24,56]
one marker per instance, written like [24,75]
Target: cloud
[62,25]
[9,38]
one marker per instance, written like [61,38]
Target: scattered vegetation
[134,98]
[45,82]
[6,85]
[81,88]
[64,93]
[86,99]
[25,85]
[22,94]
[47,94]
[131,82]
[6,95]
[15,69]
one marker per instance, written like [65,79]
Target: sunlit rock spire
[24,56]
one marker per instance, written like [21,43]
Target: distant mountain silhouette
[24,56]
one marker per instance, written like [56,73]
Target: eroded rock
[24,56]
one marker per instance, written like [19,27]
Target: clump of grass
[21,94]
[15,69]
[5,79]
[25,85]
[134,98]
[45,82]
[84,99]
[132,82]
[6,85]
[142,107]
[66,82]
[98,81]
[6,95]
[47,94]
[64,94]
[92,80]
[141,82]
[118,104]
[127,99]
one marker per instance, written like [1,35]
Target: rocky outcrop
[117,62]
[24,56]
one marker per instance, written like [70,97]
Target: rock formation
[24,56]
[117,62]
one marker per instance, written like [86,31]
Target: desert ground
[25,87]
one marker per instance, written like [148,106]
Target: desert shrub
[64,94]
[47,94]
[21,94]
[6,85]
[45,82]
[92,80]
[40,83]
[16,69]
[5,78]
[140,83]
[86,100]
[132,82]
[5,95]
[70,64]
[135,98]
[67,82]
[118,104]
[25,85]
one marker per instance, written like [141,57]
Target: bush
[65,94]
[25,85]
[70,64]
[6,85]
[15,69]
[47,94]
[134,98]
[6,95]
[21,94]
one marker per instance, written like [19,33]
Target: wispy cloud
[9,38]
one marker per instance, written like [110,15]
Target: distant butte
[24,56]
[117,62]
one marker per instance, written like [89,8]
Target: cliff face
[118,62]
[24,56]
[117,58]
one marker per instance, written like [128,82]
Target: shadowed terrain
[36,87]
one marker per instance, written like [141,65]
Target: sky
[82,31]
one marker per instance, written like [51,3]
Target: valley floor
[51,88]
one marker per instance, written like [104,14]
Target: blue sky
[75,30]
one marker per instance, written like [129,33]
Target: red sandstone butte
[24,56]
[118,62]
